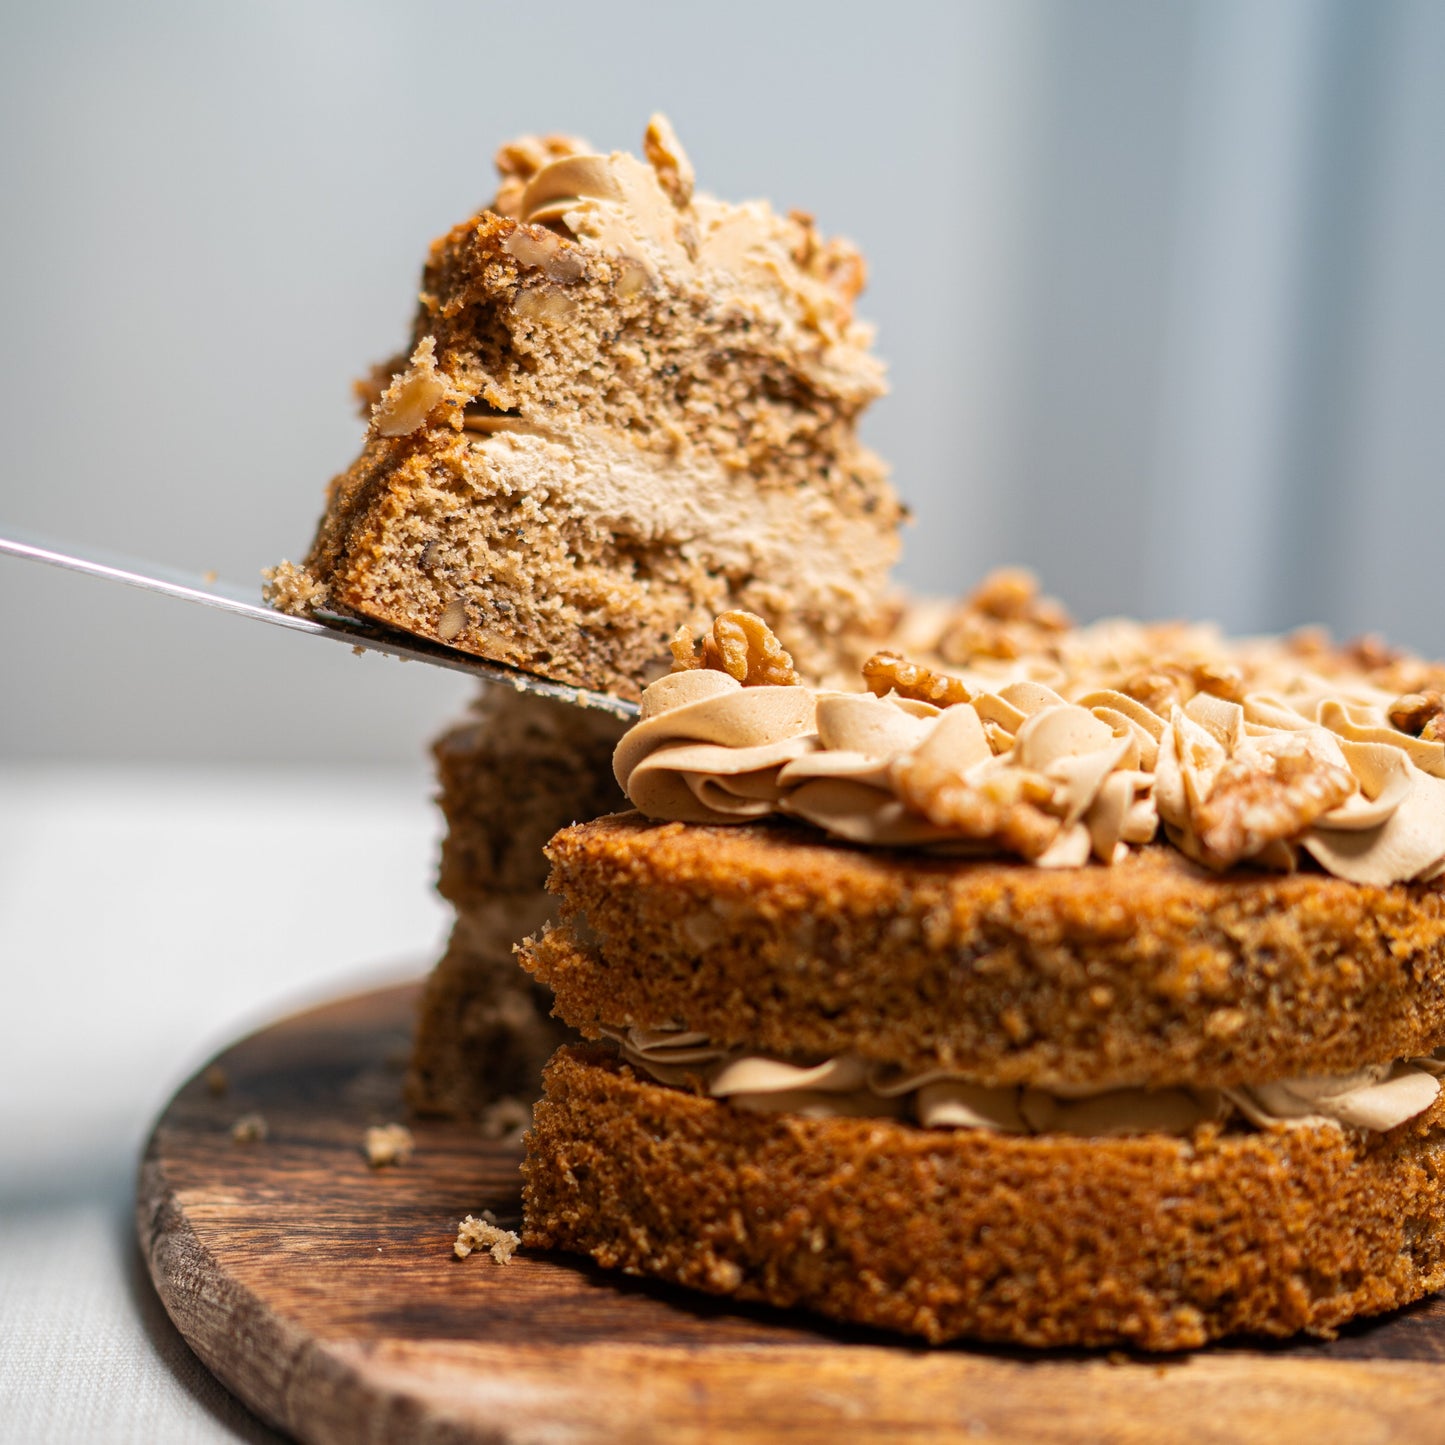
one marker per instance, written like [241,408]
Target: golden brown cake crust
[1156,1242]
[1153,971]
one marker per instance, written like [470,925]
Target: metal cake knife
[246,601]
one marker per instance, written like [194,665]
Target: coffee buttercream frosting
[1049,758]
[1375,1098]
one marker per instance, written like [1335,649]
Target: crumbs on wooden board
[387,1144]
[249,1129]
[485,1233]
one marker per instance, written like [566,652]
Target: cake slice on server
[1091,995]
[626,406]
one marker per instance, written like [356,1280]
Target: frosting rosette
[1066,757]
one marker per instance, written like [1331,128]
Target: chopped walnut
[519,160]
[1004,807]
[1267,798]
[1158,691]
[837,263]
[887,672]
[387,1144]
[1371,653]
[1012,595]
[1167,683]
[668,160]
[740,644]
[1004,618]
[1313,642]
[485,1233]
[1417,711]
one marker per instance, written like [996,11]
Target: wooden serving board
[326,1295]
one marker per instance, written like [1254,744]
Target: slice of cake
[1091,992]
[626,406]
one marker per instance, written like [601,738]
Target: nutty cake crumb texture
[485,1233]
[216,1080]
[292,589]
[388,1144]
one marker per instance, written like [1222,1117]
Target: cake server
[244,601]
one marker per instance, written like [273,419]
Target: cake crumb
[217,1080]
[293,589]
[388,1144]
[249,1129]
[506,1119]
[485,1233]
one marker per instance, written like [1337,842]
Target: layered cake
[626,406]
[1090,991]
[520,767]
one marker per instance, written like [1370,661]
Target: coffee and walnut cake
[1089,993]
[960,971]
[625,406]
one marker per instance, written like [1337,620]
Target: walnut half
[1421,714]
[1258,801]
[740,644]
[887,672]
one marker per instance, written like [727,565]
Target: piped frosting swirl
[1051,760]
[1375,1098]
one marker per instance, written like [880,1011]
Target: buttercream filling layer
[689,505]
[1050,760]
[1374,1098]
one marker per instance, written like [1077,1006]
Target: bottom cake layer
[1155,1242]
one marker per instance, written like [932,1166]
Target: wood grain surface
[327,1296]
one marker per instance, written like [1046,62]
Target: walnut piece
[668,160]
[1267,798]
[1166,683]
[887,672]
[740,644]
[1012,595]
[519,160]
[1005,807]
[1417,711]
[1004,618]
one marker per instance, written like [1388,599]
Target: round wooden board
[326,1295]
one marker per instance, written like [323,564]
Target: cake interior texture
[626,406]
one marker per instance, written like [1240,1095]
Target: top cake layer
[626,406]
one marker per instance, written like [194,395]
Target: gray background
[1160,286]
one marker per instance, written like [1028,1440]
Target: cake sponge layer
[1153,971]
[1153,1242]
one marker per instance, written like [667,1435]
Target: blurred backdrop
[1159,284]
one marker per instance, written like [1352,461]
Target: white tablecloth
[146,919]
